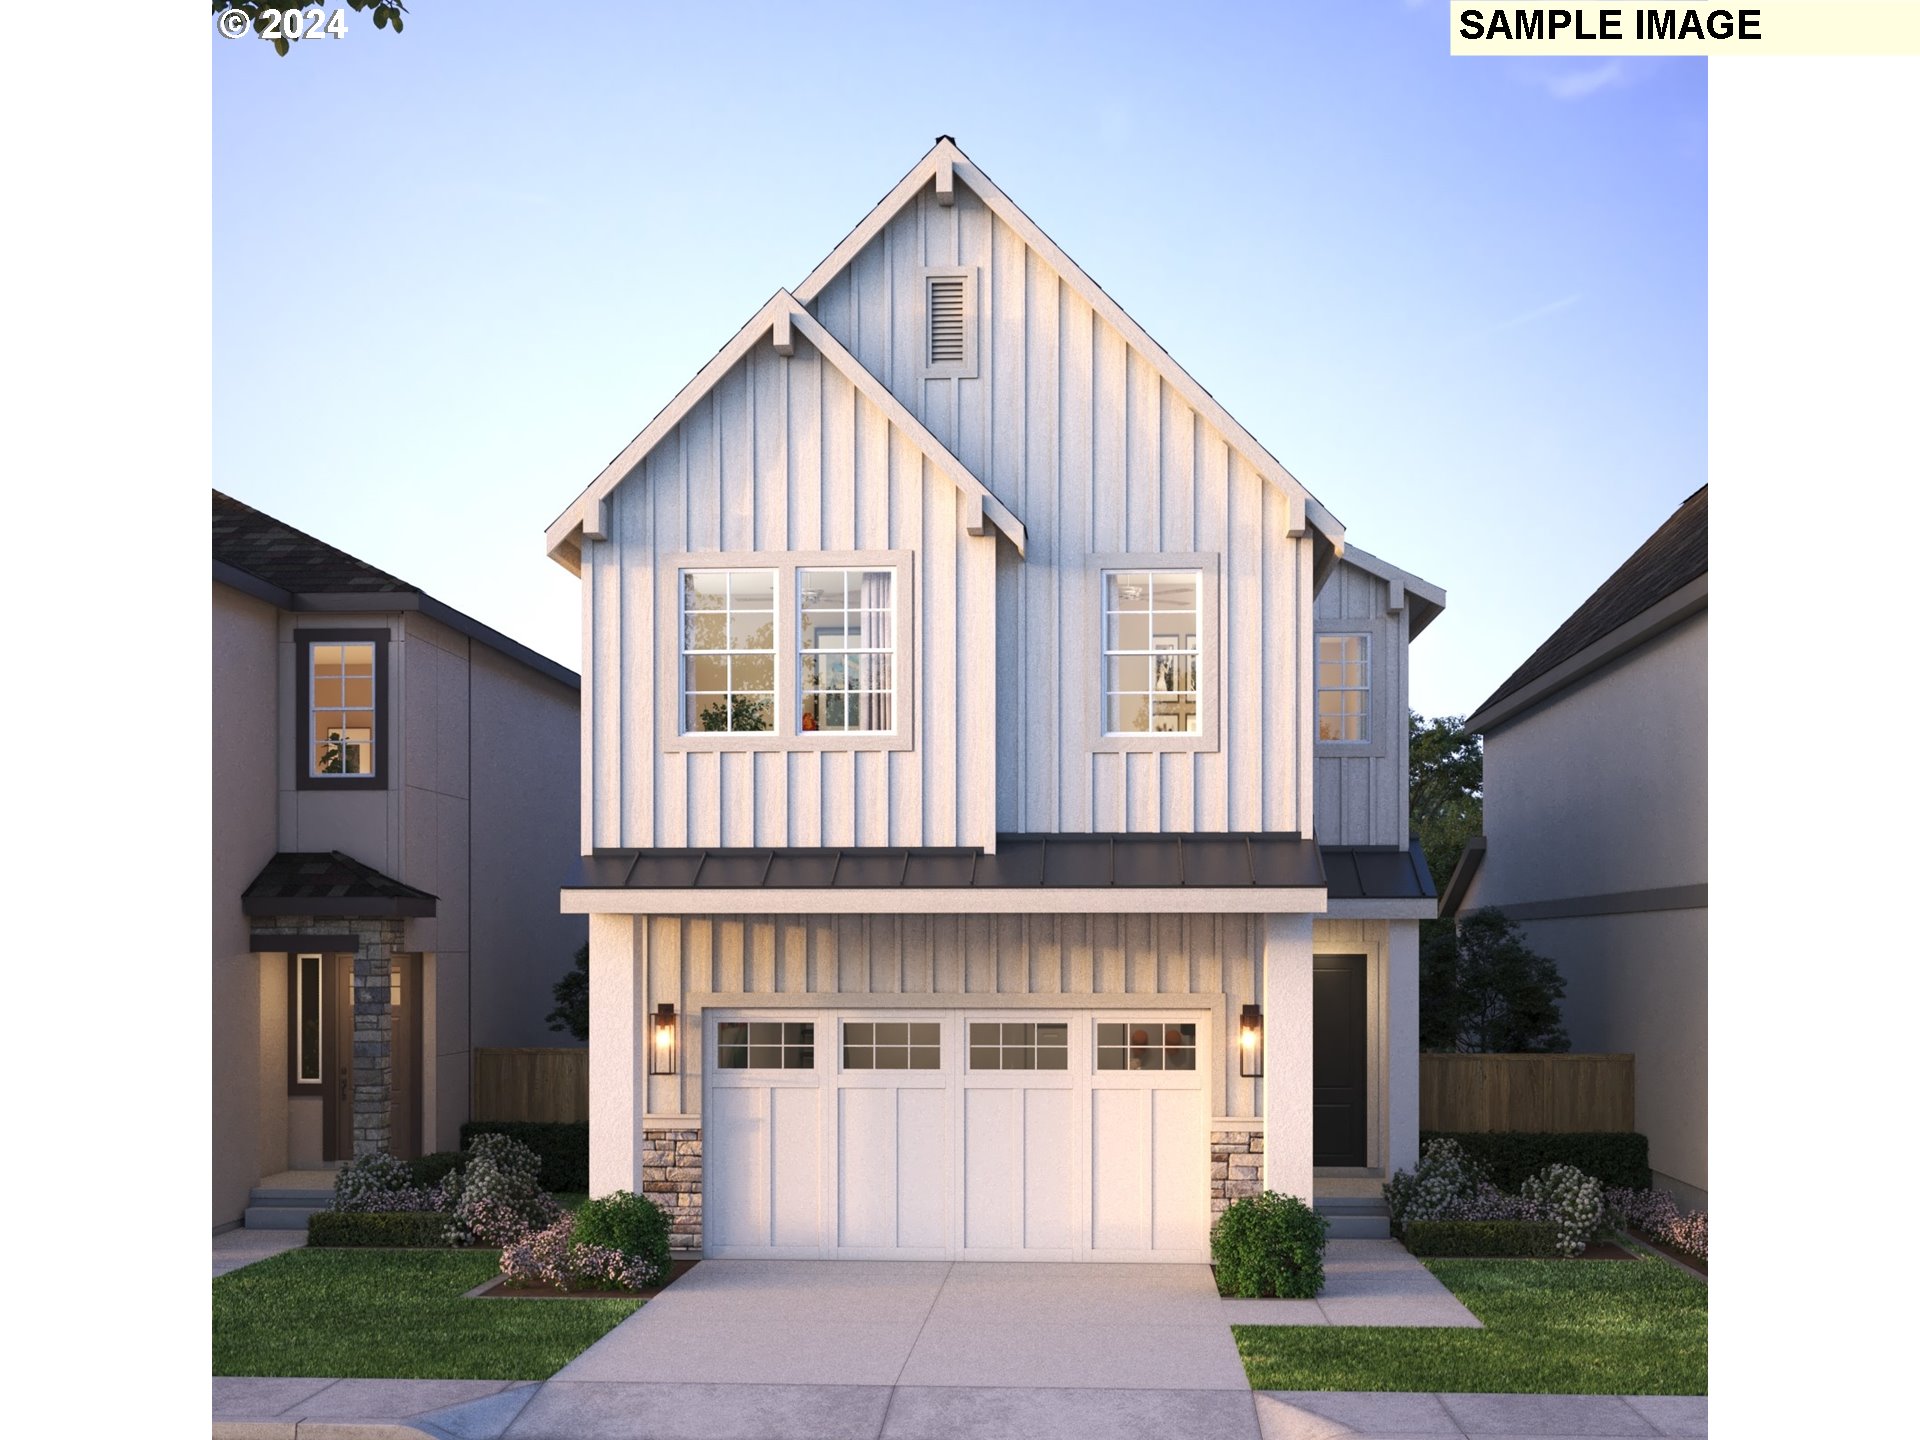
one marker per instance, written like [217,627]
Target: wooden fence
[530,1084]
[1560,1093]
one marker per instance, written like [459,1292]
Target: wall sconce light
[1250,1042]
[664,1057]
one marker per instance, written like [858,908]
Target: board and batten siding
[1081,436]
[784,456]
[1360,791]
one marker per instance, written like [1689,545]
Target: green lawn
[1562,1327]
[398,1313]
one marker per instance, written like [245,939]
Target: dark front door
[337,1142]
[1340,1060]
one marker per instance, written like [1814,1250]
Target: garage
[989,1135]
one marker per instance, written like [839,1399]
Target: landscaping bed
[1550,1328]
[397,1314]
[506,1287]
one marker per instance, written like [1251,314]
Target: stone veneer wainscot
[1236,1165]
[670,1163]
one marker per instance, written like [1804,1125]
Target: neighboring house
[965,877]
[392,810]
[1596,829]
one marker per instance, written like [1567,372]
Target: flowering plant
[1572,1200]
[1657,1213]
[380,1182]
[554,1257]
[496,1199]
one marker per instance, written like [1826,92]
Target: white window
[766,1044]
[1145,1045]
[1151,629]
[307,1035]
[726,650]
[846,651]
[951,325]
[341,709]
[1017,1045]
[890,1045]
[1344,681]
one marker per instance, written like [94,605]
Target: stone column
[373,1035]
[1286,1084]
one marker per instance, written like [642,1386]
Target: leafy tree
[387,14]
[569,1011]
[1443,803]
[1485,991]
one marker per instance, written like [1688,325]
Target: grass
[395,1313]
[1555,1327]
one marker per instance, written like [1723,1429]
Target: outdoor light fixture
[665,1056]
[1250,1041]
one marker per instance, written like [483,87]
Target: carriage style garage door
[975,1135]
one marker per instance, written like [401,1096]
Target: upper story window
[1344,680]
[1152,652]
[951,349]
[341,740]
[846,650]
[726,650]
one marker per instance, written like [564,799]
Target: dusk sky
[1464,301]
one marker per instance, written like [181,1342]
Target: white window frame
[785,734]
[685,654]
[891,651]
[783,1021]
[968,367]
[319,1079]
[1344,744]
[1205,565]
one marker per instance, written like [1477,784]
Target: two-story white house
[993,779]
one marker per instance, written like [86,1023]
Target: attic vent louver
[946,320]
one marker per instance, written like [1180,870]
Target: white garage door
[988,1136]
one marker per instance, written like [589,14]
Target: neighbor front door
[1340,1060]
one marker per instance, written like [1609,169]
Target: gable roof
[946,163]
[1660,584]
[271,561]
[1402,586]
[779,318]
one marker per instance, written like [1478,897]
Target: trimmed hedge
[400,1229]
[1270,1244]
[562,1148]
[1614,1157]
[1479,1237]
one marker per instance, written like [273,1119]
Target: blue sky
[1463,300]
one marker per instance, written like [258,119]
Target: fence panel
[1559,1093]
[530,1084]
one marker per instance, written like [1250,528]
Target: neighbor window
[341,707]
[726,650]
[766,1044]
[1144,1045]
[1151,630]
[1017,1045]
[890,1045]
[307,1034]
[1345,683]
[846,650]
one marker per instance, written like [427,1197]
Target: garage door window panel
[890,1045]
[1146,1045]
[765,1045]
[1017,1045]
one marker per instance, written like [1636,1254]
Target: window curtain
[876,599]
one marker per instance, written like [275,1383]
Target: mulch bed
[1692,1262]
[501,1289]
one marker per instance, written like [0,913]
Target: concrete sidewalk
[235,1248]
[613,1410]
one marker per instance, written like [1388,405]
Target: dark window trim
[303,778]
[328,1019]
[271,942]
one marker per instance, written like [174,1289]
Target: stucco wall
[245,722]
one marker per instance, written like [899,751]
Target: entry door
[1340,1060]
[337,1141]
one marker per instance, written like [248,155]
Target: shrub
[429,1170]
[1270,1245]
[496,1199]
[628,1224]
[380,1182]
[1575,1203]
[1480,1237]
[397,1228]
[1444,1182]
[1657,1213]
[557,1256]
[562,1147]
[1615,1157]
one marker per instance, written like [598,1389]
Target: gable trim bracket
[777,320]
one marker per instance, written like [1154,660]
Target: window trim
[1206,563]
[1380,637]
[967,368]
[329,1019]
[303,642]
[786,734]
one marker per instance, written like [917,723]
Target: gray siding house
[393,806]
[1596,829]
[993,814]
